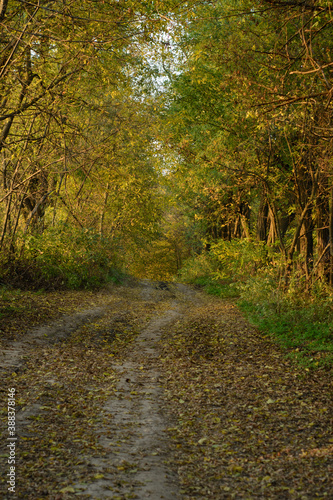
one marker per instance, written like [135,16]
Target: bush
[239,259]
[228,263]
[64,257]
[198,268]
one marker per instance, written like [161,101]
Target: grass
[226,289]
[301,325]
[303,330]
[10,303]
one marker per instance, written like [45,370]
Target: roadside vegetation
[63,258]
[298,318]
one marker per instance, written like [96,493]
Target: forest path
[161,392]
[135,438]
[123,448]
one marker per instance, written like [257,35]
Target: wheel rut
[90,405]
[137,444]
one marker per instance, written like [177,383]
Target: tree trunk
[262,219]
[6,221]
[323,237]
[331,235]
[245,213]
[306,243]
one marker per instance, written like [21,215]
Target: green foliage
[219,289]
[239,259]
[73,97]
[227,264]
[198,268]
[10,301]
[66,257]
[251,149]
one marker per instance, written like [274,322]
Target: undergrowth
[301,324]
[300,321]
[63,258]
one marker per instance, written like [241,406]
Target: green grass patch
[10,302]
[304,330]
[212,287]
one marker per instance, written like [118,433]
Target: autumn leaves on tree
[250,114]
[75,138]
[163,122]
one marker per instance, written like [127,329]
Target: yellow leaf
[98,476]
[236,468]
[202,440]
[68,489]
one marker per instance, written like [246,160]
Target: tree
[67,85]
[249,115]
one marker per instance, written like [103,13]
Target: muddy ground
[156,391]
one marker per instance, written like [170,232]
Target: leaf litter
[243,422]
[249,424]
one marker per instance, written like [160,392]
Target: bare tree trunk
[245,226]
[306,243]
[18,213]
[3,8]
[331,235]
[323,236]
[6,221]
[275,227]
[272,236]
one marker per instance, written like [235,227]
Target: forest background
[173,140]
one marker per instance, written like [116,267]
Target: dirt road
[121,446]
[159,392]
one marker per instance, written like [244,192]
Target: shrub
[228,263]
[65,257]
